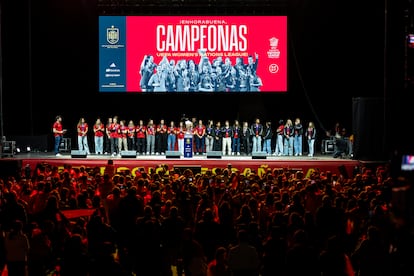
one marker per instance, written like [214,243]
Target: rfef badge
[112,35]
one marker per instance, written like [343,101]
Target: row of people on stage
[231,138]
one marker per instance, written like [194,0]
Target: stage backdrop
[132,48]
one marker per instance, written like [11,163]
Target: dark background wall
[338,50]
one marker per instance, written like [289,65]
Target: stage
[198,163]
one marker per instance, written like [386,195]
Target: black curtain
[369,128]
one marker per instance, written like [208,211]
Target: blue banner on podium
[188,145]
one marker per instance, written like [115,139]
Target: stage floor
[201,163]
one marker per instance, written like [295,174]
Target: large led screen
[148,54]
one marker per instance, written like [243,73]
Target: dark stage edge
[202,163]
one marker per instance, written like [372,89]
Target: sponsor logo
[273,68]
[273,52]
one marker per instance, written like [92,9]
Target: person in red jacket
[150,137]
[83,129]
[141,130]
[114,136]
[180,137]
[161,138]
[107,137]
[98,129]
[131,135]
[199,134]
[122,136]
[172,135]
[58,132]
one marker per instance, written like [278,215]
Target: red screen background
[261,31]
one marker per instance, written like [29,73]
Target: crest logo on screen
[112,35]
[273,51]
[126,64]
[273,68]
[274,42]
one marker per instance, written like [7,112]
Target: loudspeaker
[328,146]
[128,153]
[8,148]
[65,145]
[214,154]
[259,155]
[78,153]
[172,154]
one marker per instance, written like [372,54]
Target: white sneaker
[147,152]
[238,153]
[58,154]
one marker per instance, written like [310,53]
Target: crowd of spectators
[166,221]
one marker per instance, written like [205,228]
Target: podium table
[188,145]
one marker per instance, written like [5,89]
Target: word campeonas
[208,37]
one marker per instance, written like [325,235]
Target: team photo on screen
[193,54]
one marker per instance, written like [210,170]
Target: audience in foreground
[221,223]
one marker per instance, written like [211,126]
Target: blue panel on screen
[112,53]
